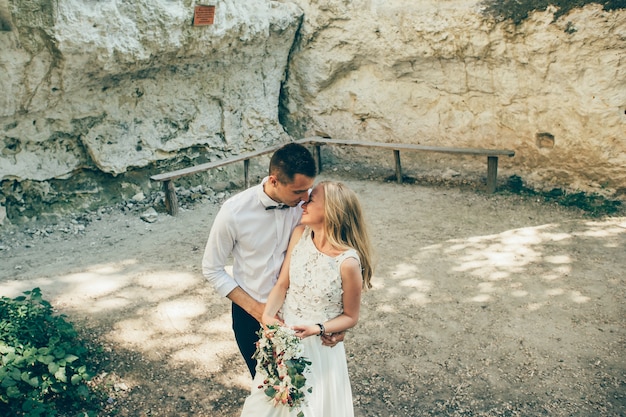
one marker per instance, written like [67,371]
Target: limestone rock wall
[441,73]
[112,85]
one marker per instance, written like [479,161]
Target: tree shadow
[165,337]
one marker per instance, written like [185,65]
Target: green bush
[519,10]
[592,204]
[43,370]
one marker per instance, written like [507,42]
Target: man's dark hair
[290,160]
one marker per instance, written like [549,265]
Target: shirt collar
[265,199]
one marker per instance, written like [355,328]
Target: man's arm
[219,247]
[245,301]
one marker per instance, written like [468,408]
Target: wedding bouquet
[279,359]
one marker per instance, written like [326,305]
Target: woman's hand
[268,320]
[303,331]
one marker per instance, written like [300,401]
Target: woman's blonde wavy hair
[344,224]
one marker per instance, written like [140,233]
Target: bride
[318,292]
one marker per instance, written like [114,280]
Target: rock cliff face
[441,73]
[113,86]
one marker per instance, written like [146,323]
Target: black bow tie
[280,207]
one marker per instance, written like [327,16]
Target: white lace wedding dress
[314,296]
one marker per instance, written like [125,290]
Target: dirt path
[483,305]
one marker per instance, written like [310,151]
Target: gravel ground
[483,305]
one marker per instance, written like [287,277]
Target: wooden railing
[167,178]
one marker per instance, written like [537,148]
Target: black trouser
[245,327]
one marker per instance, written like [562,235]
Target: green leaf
[69,358]
[270,392]
[44,351]
[60,374]
[29,353]
[45,384]
[15,374]
[34,408]
[53,367]
[87,375]
[58,353]
[298,381]
[33,381]
[83,391]
[8,382]
[13,392]
[4,348]
[9,358]
[46,359]
[75,380]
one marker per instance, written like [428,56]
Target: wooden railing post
[396,155]
[171,202]
[317,151]
[492,173]
[246,179]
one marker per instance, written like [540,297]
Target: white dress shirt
[256,238]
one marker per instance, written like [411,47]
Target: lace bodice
[315,292]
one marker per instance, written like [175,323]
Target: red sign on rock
[203,15]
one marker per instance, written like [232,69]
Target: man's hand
[257,311]
[269,320]
[331,339]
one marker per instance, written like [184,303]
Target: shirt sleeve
[218,249]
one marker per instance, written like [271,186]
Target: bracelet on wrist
[322,330]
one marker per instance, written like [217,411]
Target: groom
[254,227]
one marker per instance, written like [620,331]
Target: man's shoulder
[244,195]
[244,201]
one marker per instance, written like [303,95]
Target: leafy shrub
[591,204]
[43,369]
[519,10]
